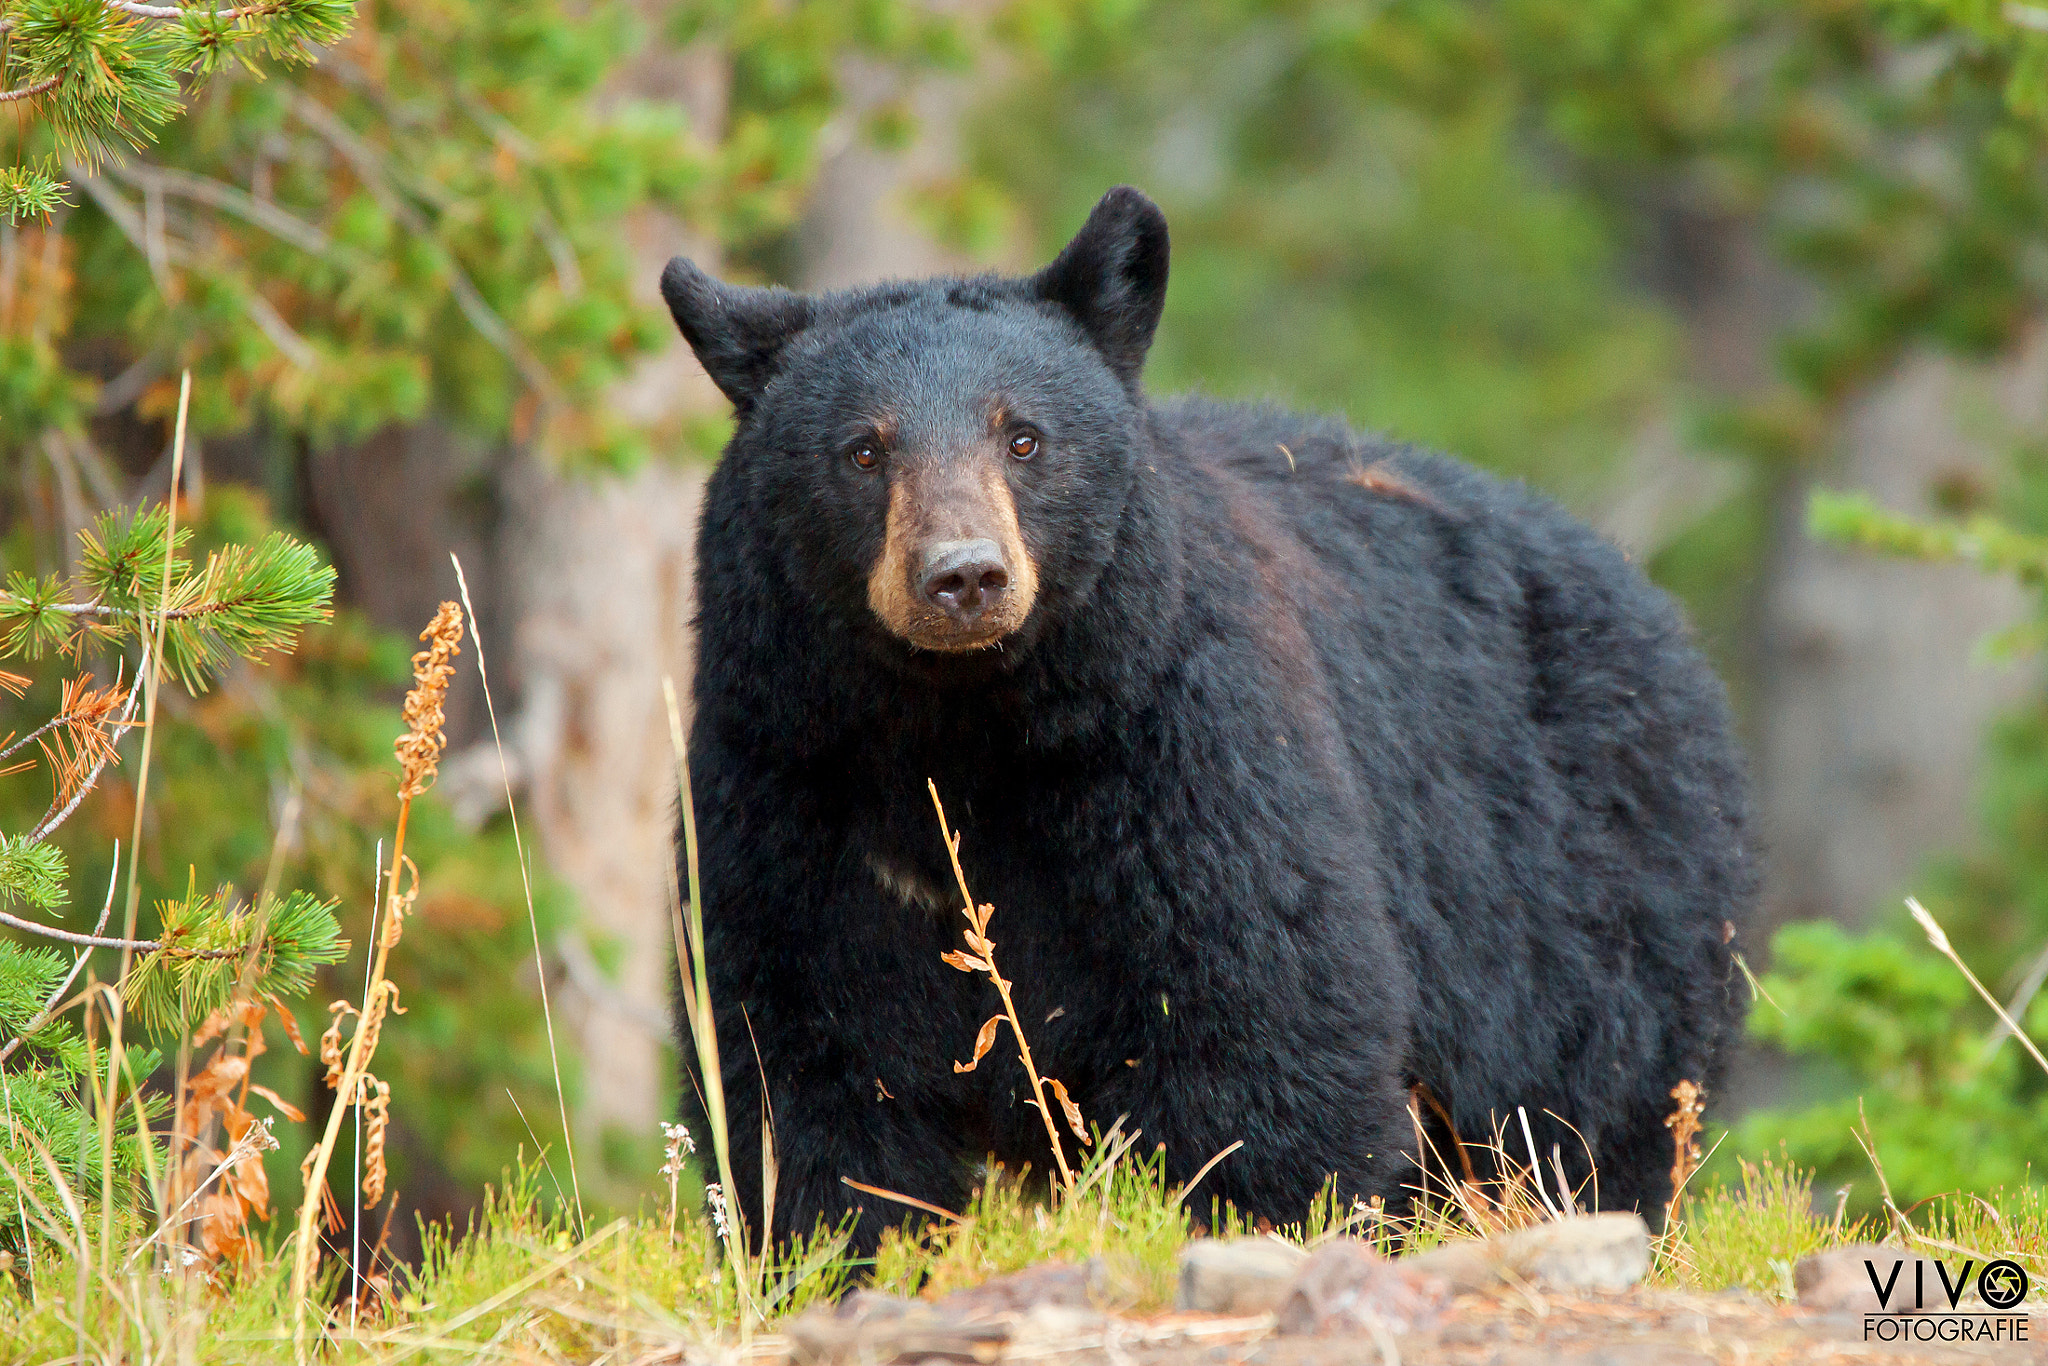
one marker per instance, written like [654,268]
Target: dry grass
[980,956]
[419,752]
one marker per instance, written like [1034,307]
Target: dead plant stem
[308,1244]
[151,680]
[696,983]
[987,955]
[1939,938]
[526,885]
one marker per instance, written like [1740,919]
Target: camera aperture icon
[2002,1284]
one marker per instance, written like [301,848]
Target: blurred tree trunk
[1865,707]
[582,582]
[1875,701]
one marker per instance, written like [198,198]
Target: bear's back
[1546,752]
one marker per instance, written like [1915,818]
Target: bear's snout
[954,573]
[964,579]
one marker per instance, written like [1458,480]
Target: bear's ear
[1112,279]
[737,331]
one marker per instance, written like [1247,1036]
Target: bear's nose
[962,578]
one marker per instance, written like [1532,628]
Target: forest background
[1680,262]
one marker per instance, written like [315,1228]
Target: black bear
[1300,767]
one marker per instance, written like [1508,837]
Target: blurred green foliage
[1361,219]
[1902,1038]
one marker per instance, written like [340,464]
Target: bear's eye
[865,456]
[1024,445]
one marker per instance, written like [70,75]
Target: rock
[1587,1252]
[1236,1275]
[1041,1312]
[1590,1252]
[1055,1283]
[1840,1281]
[1346,1287]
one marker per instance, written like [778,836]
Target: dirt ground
[1638,1328]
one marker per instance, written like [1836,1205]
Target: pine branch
[106,75]
[48,1010]
[99,941]
[30,91]
[175,12]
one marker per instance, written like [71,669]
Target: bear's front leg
[828,1129]
[1311,1081]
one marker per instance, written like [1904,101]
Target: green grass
[520,1285]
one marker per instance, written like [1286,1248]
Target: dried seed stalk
[1684,1124]
[419,749]
[378,1113]
[980,956]
[419,754]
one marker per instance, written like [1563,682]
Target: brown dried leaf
[290,1023]
[284,1107]
[222,1226]
[1073,1111]
[252,1184]
[330,1042]
[378,1112]
[986,1039]
[963,962]
[217,1078]
[246,1013]
[983,1041]
[214,1026]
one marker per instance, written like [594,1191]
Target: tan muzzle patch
[954,573]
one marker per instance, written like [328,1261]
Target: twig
[1207,1167]
[696,984]
[902,1199]
[2022,997]
[419,751]
[1536,1163]
[129,946]
[233,200]
[1939,939]
[174,12]
[49,1007]
[27,91]
[984,947]
[152,673]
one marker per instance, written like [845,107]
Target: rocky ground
[1568,1292]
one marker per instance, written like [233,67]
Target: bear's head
[946,460]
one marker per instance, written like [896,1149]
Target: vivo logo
[2001,1285]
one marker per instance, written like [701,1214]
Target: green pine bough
[103,75]
[132,591]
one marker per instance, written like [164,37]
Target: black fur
[1321,767]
